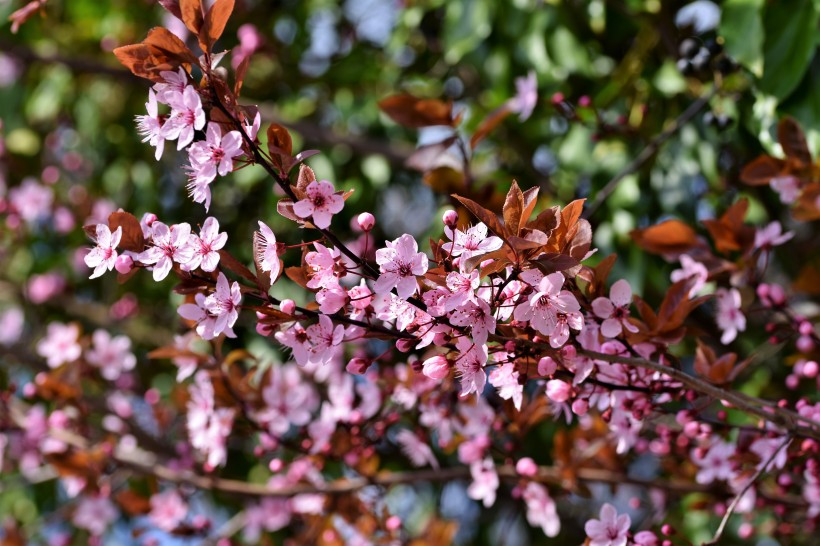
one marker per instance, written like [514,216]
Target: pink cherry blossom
[505,379]
[610,530]
[473,242]
[43,287]
[691,268]
[463,289]
[224,304]
[544,304]
[436,367]
[206,246]
[324,337]
[730,318]
[150,126]
[61,344]
[541,509]
[94,514]
[168,510]
[565,321]
[170,244]
[478,316]
[615,310]
[31,200]
[215,154]
[787,187]
[399,265]
[198,313]
[12,322]
[470,367]
[289,400]
[415,449]
[266,250]
[716,464]
[526,96]
[296,337]
[485,482]
[320,204]
[187,116]
[331,298]
[172,86]
[112,355]
[771,236]
[103,256]
[271,514]
[323,264]
[208,426]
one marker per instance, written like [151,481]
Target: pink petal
[621,293]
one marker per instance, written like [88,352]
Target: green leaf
[742,28]
[791,29]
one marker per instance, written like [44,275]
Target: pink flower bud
[526,467]
[585,101]
[777,294]
[405,345]
[123,264]
[436,367]
[557,98]
[275,465]
[805,328]
[546,366]
[558,391]
[287,306]
[450,218]
[366,221]
[810,369]
[149,218]
[792,381]
[580,407]
[805,344]
[358,365]
[393,523]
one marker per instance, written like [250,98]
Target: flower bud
[805,344]
[450,218]
[558,391]
[358,365]
[436,367]
[287,306]
[393,523]
[546,366]
[526,467]
[810,369]
[580,407]
[366,221]
[123,264]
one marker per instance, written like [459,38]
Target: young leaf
[488,217]
[132,238]
[232,264]
[761,171]
[729,232]
[192,14]
[413,112]
[793,141]
[168,43]
[668,237]
[513,209]
[214,24]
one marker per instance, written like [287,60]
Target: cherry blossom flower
[473,242]
[206,246]
[289,400]
[224,304]
[399,264]
[771,236]
[215,154]
[271,514]
[691,268]
[187,116]
[478,316]
[541,509]
[168,510]
[526,96]
[610,530]
[112,355]
[716,463]
[266,250]
[41,288]
[564,322]
[320,204]
[61,345]
[765,448]
[436,367]
[296,337]
[198,313]
[172,86]
[505,379]
[103,256]
[322,263]
[170,244]
[485,482]
[729,317]
[324,337]
[544,304]
[208,426]
[463,289]
[470,367]
[31,200]
[615,310]
[415,449]
[12,322]
[94,514]
[331,298]
[787,187]
[150,126]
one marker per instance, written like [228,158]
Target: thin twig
[742,492]
[649,151]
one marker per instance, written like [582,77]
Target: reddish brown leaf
[760,171]
[168,43]
[668,237]
[241,70]
[280,145]
[232,264]
[513,208]
[729,232]
[530,200]
[132,238]
[192,14]
[414,112]
[132,503]
[552,262]
[306,176]
[716,370]
[793,141]
[297,275]
[445,180]
[807,208]
[547,220]
[488,124]
[172,6]
[140,60]
[215,20]
[488,217]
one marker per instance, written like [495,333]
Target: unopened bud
[358,365]
[287,306]
[450,218]
[526,467]
[123,264]
[366,221]
[436,367]
[558,391]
